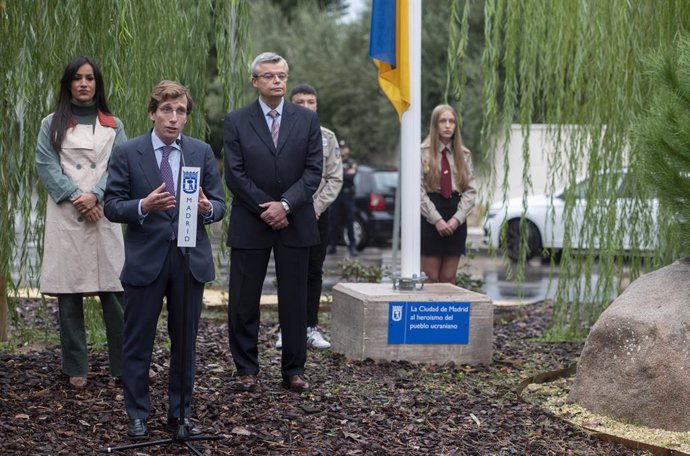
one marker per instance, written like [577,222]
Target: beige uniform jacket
[467,198]
[332,173]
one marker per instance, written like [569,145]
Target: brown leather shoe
[296,384]
[78,382]
[246,383]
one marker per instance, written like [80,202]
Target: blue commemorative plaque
[428,322]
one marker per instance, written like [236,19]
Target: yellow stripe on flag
[395,81]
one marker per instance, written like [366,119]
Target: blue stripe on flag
[382,38]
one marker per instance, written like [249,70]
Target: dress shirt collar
[449,147]
[265,108]
[158,143]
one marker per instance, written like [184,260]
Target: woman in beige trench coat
[83,251]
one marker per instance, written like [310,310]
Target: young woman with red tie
[448,195]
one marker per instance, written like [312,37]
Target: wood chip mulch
[354,408]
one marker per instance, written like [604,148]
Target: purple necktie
[166,171]
[275,126]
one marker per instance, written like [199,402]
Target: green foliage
[333,7]
[332,55]
[93,321]
[136,43]
[232,54]
[465,280]
[663,136]
[134,53]
[29,329]
[463,87]
[232,18]
[355,271]
[578,67]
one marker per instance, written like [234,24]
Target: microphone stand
[181,434]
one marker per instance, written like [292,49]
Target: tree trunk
[4,302]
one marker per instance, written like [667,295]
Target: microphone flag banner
[189,206]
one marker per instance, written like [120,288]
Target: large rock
[635,366]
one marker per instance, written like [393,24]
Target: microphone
[178,141]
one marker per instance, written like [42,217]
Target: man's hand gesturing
[158,200]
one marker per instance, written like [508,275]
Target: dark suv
[374,205]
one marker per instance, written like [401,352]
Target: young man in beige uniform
[331,183]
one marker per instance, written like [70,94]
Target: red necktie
[446,180]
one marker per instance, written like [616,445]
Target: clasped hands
[274,215]
[160,200]
[446,229]
[87,205]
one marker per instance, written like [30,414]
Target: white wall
[542,148]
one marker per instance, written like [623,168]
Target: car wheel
[513,240]
[361,237]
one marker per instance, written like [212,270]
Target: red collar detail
[107,120]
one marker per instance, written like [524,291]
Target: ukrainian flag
[389,47]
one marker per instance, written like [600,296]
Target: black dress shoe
[174,423]
[136,429]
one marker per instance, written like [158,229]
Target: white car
[545,225]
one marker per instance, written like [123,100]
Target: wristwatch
[286,206]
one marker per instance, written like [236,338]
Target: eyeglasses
[270,76]
[168,110]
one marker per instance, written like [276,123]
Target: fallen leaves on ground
[354,408]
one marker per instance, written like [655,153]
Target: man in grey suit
[273,160]
[142,189]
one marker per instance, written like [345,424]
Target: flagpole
[410,162]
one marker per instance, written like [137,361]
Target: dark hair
[63,110]
[166,90]
[302,88]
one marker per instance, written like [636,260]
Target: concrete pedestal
[360,318]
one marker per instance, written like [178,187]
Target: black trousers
[317,255]
[247,274]
[343,216]
[142,308]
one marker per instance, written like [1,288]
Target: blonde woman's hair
[462,171]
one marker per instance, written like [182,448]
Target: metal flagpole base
[414,283]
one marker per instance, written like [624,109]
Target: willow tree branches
[578,66]
[136,43]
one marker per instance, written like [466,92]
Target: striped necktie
[275,126]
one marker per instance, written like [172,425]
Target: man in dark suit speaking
[273,160]
[143,192]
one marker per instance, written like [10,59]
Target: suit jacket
[132,174]
[258,172]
